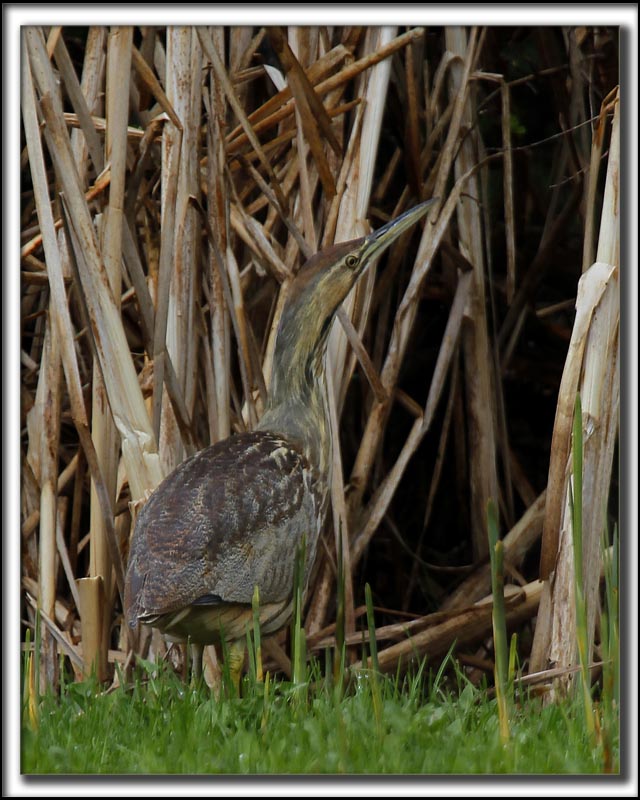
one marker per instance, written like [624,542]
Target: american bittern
[232,516]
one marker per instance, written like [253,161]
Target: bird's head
[326,279]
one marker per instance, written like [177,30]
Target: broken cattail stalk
[592,368]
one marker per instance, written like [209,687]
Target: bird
[233,516]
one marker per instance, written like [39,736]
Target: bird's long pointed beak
[378,241]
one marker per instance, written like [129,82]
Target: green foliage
[500,647]
[298,640]
[517,127]
[581,609]
[159,725]
[373,646]
[610,638]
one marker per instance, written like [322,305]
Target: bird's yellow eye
[351,261]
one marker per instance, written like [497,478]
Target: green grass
[162,725]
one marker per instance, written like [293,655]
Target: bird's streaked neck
[297,405]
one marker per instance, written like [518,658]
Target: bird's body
[233,516]
[233,545]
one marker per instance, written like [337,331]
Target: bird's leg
[236,662]
[196,662]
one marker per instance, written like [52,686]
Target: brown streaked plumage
[233,516]
[249,483]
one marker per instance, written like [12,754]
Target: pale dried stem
[312,114]
[184,98]
[92,86]
[406,311]
[30,524]
[106,325]
[517,543]
[99,186]
[354,202]
[103,430]
[58,305]
[172,148]
[305,203]
[315,73]
[243,339]
[305,248]
[405,315]
[592,183]
[436,475]
[218,67]
[155,87]
[599,387]
[357,195]
[92,600]
[327,85]
[62,616]
[241,335]
[469,625]
[63,552]
[218,214]
[477,353]
[47,407]
[242,48]
[591,367]
[340,522]
[60,636]
[384,494]
[254,236]
[82,109]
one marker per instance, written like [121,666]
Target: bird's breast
[226,520]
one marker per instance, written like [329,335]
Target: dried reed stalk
[181,168]
[314,119]
[469,625]
[103,429]
[592,369]
[47,407]
[91,88]
[353,204]
[218,215]
[347,74]
[120,380]
[405,315]
[90,141]
[64,340]
[380,503]
[517,543]
[477,352]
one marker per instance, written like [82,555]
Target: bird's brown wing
[227,519]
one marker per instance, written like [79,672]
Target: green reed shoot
[610,622]
[501,670]
[298,642]
[340,654]
[576,527]
[373,649]
[610,643]
[255,603]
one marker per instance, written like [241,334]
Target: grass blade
[297,632]
[576,527]
[496,552]
[255,602]
[373,647]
